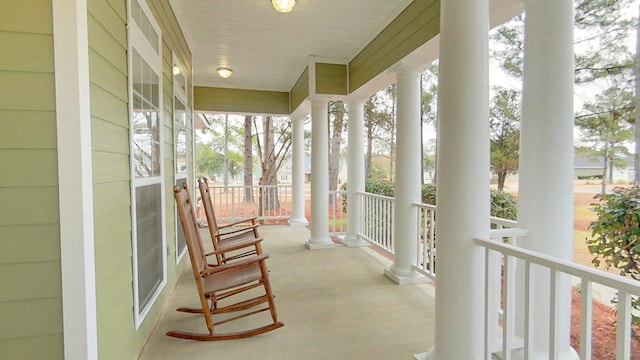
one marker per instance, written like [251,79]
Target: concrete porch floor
[335,304]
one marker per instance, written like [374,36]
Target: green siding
[416,25]
[300,90]
[331,79]
[31,321]
[245,101]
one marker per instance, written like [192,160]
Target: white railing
[376,220]
[267,202]
[337,212]
[426,241]
[270,202]
[504,257]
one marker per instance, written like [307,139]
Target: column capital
[401,69]
[316,98]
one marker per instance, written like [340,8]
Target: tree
[275,144]
[636,162]
[504,132]
[248,160]
[376,114]
[337,113]
[208,161]
[606,127]
[429,115]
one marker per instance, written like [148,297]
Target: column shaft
[463,178]
[355,167]
[297,173]
[319,176]
[407,190]
[546,157]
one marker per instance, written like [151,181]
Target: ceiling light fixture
[224,72]
[176,70]
[283,6]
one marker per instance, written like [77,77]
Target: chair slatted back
[186,212]
[205,194]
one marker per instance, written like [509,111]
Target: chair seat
[232,278]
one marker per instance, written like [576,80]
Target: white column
[73,119]
[463,178]
[297,173]
[355,170]
[319,175]
[545,194]
[408,188]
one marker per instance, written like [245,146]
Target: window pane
[180,131]
[180,241]
[149,241]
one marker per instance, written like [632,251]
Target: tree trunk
[367,162]
[636,178]
[225,164]
[605,168]
[248,161]
[334,154]
[502,175]
[268,180]
[393,134]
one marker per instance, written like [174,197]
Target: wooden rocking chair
[228,235]
[218,285]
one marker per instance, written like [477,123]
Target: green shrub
[504,205]
[615,236]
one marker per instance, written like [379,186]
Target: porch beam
[463,178]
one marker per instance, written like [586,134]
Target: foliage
[504,132]
[208,161]
[504,205]
[615,237]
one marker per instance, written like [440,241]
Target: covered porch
[335,305]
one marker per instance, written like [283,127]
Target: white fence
[502,258]
[376,222]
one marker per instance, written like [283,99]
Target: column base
[404,279]
[327,244]
[353,241]
[298,222]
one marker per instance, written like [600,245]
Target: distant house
[586,167]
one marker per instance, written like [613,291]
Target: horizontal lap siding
[111,178]
[416,25]
[30,277]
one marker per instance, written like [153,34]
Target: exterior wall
[117,336]
[30,275]
[416,25]
[331,79]
[300,90]
[243,101]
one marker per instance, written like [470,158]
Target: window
[181,139]
[147,169]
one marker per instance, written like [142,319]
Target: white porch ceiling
[268,50]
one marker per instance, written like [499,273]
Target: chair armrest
[237,246]
[232,231]
[244,220]
[234,265]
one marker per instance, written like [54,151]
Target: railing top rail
[594,275]
[377,196]
[503,221]
[424,206]
[249,186]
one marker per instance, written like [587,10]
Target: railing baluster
[508,311]
[553,314]
[528,318]
[586,318]
[488,325]
[623,326]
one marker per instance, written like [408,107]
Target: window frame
[152,55]
[180,94]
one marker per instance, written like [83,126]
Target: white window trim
[73,121]
[137,40]
[181,94]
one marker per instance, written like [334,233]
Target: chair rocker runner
[218,285]
[229,235]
